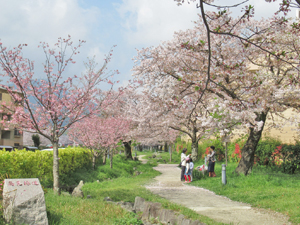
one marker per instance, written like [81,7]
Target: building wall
[286,132]
[14,139]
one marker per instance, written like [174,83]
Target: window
[0,96]
[17,132]
[16,144]
[6,117]
[5,134]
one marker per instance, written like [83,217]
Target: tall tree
[36,140]
[222,72]
[99,133]
[51,103]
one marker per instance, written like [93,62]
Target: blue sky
[129,24]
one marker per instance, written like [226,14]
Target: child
[191,168]
[187,171]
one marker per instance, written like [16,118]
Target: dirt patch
[205,202]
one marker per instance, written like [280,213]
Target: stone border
[153,211]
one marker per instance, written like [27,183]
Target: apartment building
[11,138]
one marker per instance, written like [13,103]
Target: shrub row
[270,152]
[38,164]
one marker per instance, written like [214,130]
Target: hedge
[38,164]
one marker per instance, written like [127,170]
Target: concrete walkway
[205,202]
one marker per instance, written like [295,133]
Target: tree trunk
[111,158]
[166,147]
[94,159]
[194,150]
[194,144]
[248,151]
[127,146]
[140,147]
[171,152]
[104,157]
[56,188]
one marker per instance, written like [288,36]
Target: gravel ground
[205,202]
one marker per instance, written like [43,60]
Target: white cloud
[150,22]
[32,21]
[43,20]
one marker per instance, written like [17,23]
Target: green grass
[161,157]
[120,184]
[263,188]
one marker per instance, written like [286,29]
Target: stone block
[77,192]
[186,222]
[155,209]
[24,202]
[151,210]
[197,222]
[139,204]
[167,216]
[180,219]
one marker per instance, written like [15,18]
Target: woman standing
[183,163]
[211,164]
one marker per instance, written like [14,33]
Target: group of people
[187,165]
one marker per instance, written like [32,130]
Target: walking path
[205,202]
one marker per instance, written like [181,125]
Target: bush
[219,148]
[235,147]
[38,164]
[291,158]
[264,151]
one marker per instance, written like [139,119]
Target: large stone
[139,204]
[151,210]
[197,222]
[24,202]
[180,219]
[77,192]
[167,216]
[186,222]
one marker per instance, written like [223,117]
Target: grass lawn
[263,188]
[119,184]
[161,157]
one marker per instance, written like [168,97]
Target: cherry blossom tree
[119,108]
[51,103]
[156,114]
[99,133]
[217,67]
[220,23]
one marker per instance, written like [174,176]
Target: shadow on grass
[53,218]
